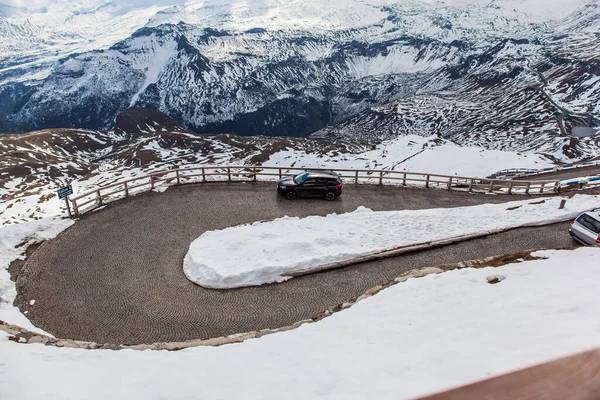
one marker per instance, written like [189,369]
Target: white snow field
[421,336]
[416,154]
[267,252]
[21,235]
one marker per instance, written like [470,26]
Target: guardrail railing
[250,173]
[519,172]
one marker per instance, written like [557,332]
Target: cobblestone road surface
[116,275]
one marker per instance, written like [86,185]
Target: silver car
[586,228]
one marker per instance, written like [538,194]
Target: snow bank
[420,336]
[21,235]
[269,252]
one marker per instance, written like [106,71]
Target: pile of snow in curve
[418,337]
[267,252]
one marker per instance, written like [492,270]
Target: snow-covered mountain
[503,74]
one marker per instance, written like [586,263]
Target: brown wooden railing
[238,173]
[574,377]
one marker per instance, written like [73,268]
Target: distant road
[563,175]
[116,275]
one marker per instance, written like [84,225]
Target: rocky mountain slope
[34,165]
[513,75]
[141,141]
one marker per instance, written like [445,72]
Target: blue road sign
[64,192]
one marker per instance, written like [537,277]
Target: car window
[310,182]
[594,225]
[590,223]
[300,178]
[582,221]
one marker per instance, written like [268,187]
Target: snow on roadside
[420,336]
[21,235]
[417,154]
[269,252]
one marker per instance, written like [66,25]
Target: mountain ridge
[503,79]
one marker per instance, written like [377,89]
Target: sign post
[64,193]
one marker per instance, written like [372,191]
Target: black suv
[311,184]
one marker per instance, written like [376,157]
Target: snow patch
[154,63]
[417,154]
[14,239]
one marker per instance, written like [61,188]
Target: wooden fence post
[151,182]
[75,208]
[203,174]
[356,177]
[404,180]
[528,187]
[279,173]
[254,172]
[471,185]
[126,190]
[229,174]
[491,189]
[68,207]
[427,181]
[98,197]
[542,187]
[510,185]
[381,177]
[178,178]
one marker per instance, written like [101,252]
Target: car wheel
[291,195]
[330,196]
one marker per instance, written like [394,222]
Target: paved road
[116,275]
[562,175]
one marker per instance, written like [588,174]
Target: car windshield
[300,178]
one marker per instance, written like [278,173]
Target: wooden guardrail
[519,172]
[573,377]
[244,173]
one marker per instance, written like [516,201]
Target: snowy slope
[38,33]
[382,347]
[415,153]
